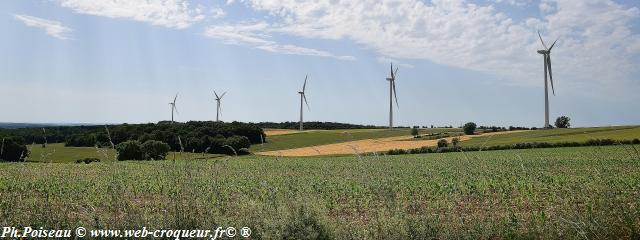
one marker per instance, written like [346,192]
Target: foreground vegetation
[574,193]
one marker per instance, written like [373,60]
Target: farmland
[558,135]
[58,153]
[574,193]
[320,137]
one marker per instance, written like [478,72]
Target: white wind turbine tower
[218,99]
[546,52]
[303,97]
[392,94]
[173,107]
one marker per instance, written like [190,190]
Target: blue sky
[122,61]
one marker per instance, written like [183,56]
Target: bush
[455,141]
[87,160]
[238,142]
[563,122]
[442,143]
[635,141]
[469,128]
[155,150]
[130,150]
[13,150]
[414,132]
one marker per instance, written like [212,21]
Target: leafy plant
[563,122]
[155,150]
[469,128]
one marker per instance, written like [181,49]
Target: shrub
[455,141]
[238,142]
[635,141]
[443,143]
[130,150]
[87,160]
[563,122]
[414,132]
[155,150]
[13,149]
[469,128]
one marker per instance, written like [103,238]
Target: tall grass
[572,193]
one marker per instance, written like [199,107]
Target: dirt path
[366,145]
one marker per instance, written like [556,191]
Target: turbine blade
[544,45]
[176,109]
[304,96]
[395,74]
[395,94]
[215,93]
[175,98]
[304,86]
[554,43]
[391,71]
[223,95]
[550,74]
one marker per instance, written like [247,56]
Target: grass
[58,153]
[557,135]
[321,137]
[567,193]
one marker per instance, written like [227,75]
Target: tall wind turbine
[303,97]
[218,99]
[546,53]
[173,107]
[392,94]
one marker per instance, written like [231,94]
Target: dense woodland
[190,136]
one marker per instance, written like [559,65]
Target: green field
[321,137]
[58,153]
[573,193]
[558,135]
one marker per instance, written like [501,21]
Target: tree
[443,143]
[563,122]
[238,142]
[13,149]
[469,128]
[414,132]
[130,150]
[455,141]
[155,150]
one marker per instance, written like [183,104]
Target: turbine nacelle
[543,52]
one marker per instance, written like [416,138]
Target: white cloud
[257,35]
[593,47]
[388,60]
[217,12]
[53,28]
[167,13]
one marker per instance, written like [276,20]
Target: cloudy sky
[97,61]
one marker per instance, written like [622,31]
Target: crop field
[572,193]
[58,153]
[558,135]
[321,137]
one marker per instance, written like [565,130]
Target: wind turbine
[546,53]
[392,94]
[303,97]
[218,99]
[173,107]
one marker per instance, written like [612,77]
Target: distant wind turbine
[303,97]
[173,107]
[392,94]
[218,99]
[546,53]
